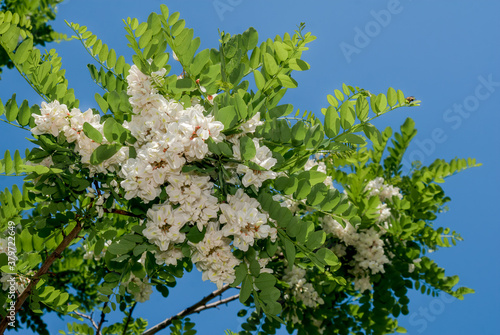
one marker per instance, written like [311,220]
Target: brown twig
[196,308]
[43,270]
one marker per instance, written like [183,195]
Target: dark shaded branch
[43,270]
[121,212]
[129,318]
[102,317]
[196,308]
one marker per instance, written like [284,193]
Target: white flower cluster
[244,220]
[301,289]
[384,192]
[214,258]
[370,256]
[140,289]
[167,136]
[55,119]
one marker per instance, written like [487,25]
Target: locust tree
[305,219]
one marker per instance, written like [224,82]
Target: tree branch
[196,308]
[85,316]
[122,212]
[217,303]
[43,270]
[128,319]
[102,317]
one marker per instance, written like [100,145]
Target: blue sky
[446,54]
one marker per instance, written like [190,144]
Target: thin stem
[85,316]
[12,124]
[196,308]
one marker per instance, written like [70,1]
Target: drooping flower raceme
[370,256]
[214,258]
[245,221]
[300,288]
[168,135]
[55,119]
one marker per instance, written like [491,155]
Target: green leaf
[259,79]
[121,247]
[327,257]
[392,96]
[332,122]
[332,101]
[92,133]
[250,38]
[280,110]
[23,51]
[114,131]
[315,239]
[18,162]
[24,116]
[199,62]
[287,81]
[314,137]
[7,162]
[247,148]
[103,152]
[145,38]
[270,64]
[228,116]
[246,289]
[280,50]
[298,64]
[194,235]
[289,251]
[11,109]
[362,108]
[380,103]
[241,272]
[347,115]
[351,138]
[339,95]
